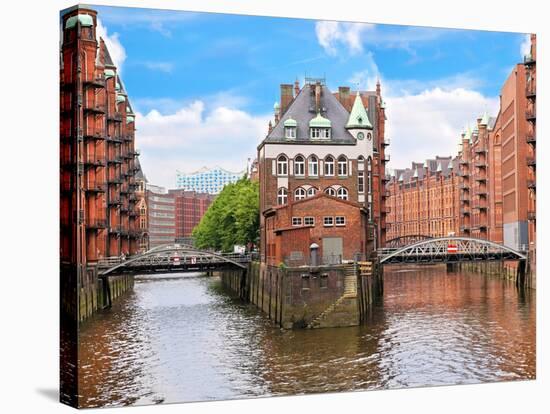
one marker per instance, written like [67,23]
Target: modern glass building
[207,180]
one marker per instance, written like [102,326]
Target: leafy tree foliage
[233,218]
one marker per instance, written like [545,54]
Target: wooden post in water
[520,274]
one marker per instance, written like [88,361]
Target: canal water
[178,338]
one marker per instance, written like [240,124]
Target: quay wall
[306,297]
[506,269]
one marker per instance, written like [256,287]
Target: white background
[29,204]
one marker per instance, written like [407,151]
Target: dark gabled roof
[139,174]
[108,59]
[302,110]
[492,122]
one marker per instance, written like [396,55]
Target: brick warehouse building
[496,175]
[190,206]
[423,199]
[321,168]
[97,153]
[161,216]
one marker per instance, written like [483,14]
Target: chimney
[269,127]
[296,88]
[318,96]
[378,88]
[286,97]
[343,96]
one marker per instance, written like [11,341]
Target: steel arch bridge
[405,240]
[175,258]
[449,250]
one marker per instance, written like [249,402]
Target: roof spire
[358,117]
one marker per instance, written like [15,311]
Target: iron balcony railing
[480,150]
[114,117]
[95,187]
[114,181]
[531,114]
[115,160]
[531,90]
[531,162]
[532,184]
[115,202]
[386,158]
[385,142]
[481,164]
[94,108]
[97,82]
[482,193]
[480,178]
[115,140]
[465,211]
[531,138]
[96,223]
[464,186]
[531,215]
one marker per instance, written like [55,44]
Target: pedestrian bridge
[448,250]
[403,241]
[173,258]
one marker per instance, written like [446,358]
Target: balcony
[386,158]
[94,109]
[114,140]
[465,211]
[464,174]
[114,181]
[465,199]
[96,224]
[480,207]
[114,117]
[115,230]
[115,202]
[480,150]
[481,192]
[531,138]
[531,215]
[481,179]
[465,228]
[531,114]
[98,136]
[95,187]
[128,138]
[385,142]
[463,161]
[464,186]
[481,164]
[115,160]
[532,162]
[96,161]
[532,184]
[98,82]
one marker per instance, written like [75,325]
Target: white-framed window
[340,220]
[299,193]
[342,166]
[342,193]
[313,166]
[282,196]
[282,165]
[330,191]
[290,132]
[328,221]
[309,221]
[329,166]
[360,182]
[299,166]
[296,221]
[311,191]
[315,133]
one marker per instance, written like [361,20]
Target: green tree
[233,218]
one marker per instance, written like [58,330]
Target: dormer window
[290,126]
[319,127]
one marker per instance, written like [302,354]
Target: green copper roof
[320,122]
[84,19]
[358,117]
[117,87]
[291,123]
[485,119]
[276,106]
[120,99]
[130,118]
[109,73]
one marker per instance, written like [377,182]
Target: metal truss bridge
[448,250]
[406,240]
[174,258]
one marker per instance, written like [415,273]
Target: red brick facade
[190,207]
[97,202]
[319,176]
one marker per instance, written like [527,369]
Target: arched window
[342,193]
[329,166]
[369,175]
[330,191]
[282,165]
[299,194]
[299,165]
[311,191]
[282,196]
[342,166]
[313,166]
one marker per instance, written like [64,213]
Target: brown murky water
[183,338]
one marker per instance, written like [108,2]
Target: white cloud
[429,123]
[166,67]
[116,50]
[525,47]
[194,136]
[333,34]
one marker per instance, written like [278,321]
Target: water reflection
[185,339]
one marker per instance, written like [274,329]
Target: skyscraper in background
[207,180]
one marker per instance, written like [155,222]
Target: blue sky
[204,84]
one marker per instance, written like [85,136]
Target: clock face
[360,135]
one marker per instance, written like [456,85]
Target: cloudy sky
[203,85]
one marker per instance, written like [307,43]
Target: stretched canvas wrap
[233,225]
